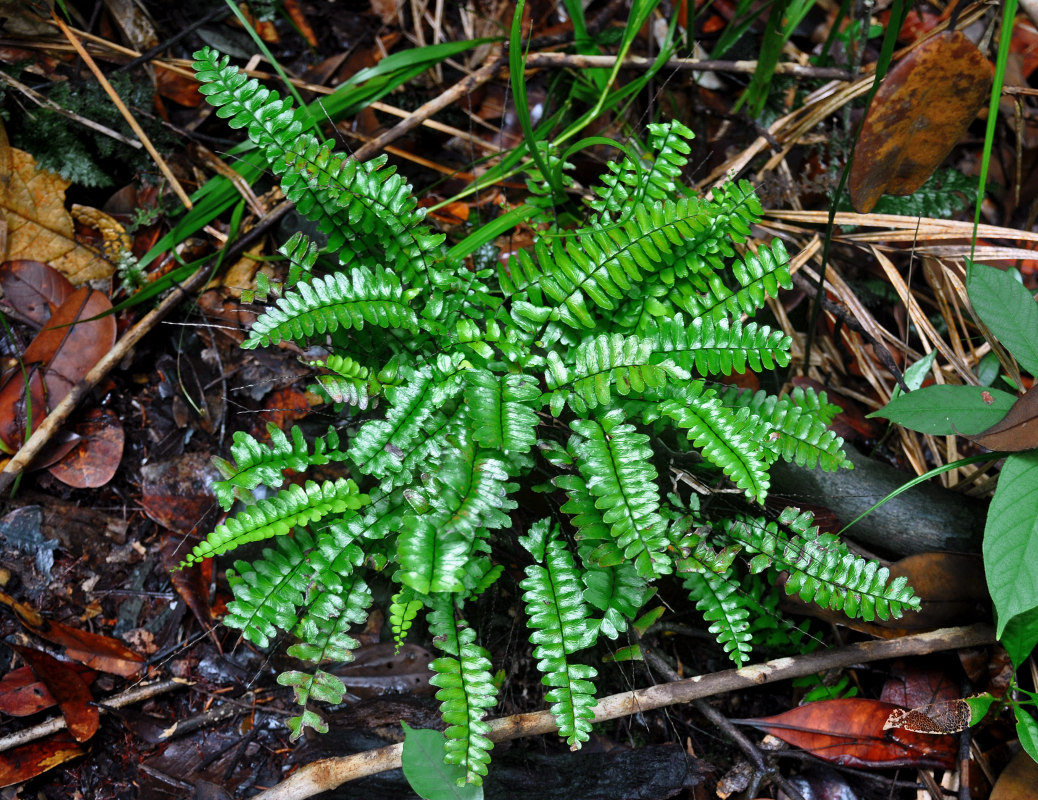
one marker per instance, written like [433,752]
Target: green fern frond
[718,598]
[323,305]
[466,691]
[500,412]
[712,347]
[381,445]
[656,181]
[431,558]
[602,363]
[821,568]
[559,619]
[617,591]
[324,630]
[616,464]
[403,610]
[759,275]
[269,591]
[722,436]
[271,121]
[795,431]
[274,516]
[257,463]
[348,382]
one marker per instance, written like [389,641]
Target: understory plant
[570,375]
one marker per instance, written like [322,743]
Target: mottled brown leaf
[921,111]
[67,686]
[850,733]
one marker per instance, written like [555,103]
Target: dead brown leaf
[1017,430]
[918,115]
[30,760]
[40,228]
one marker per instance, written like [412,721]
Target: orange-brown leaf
[22,694]
[918,115]
[96,455]
[30,760]
[850,732]
[67,686]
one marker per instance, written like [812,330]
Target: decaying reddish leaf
[65,350]
[30,760]
[22,694]
[1017,430]
[176,495]
[67,686]
[95,457]
[951,716]
[951,588]
[918,682]
[850,732]
[193,585]
[34,290]
[98,652]
[918,115]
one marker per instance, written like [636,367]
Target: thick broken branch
[329,773]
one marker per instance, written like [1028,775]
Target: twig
[56,418]
[121,700]
[463,87]
[156,157]
[329,773]
[684,64]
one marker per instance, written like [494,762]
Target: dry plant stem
[121,700]
[683,64]
[160,162]
[463,87]
[56,418]
[329,773]
[841,313]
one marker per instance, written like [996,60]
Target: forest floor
[147,695]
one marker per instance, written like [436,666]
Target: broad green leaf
[948,410]
[1011,554]
[1027,732]
[426,771]
[1009,311]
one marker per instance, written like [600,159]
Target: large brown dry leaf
[918,115]
[96,452]
[33,289]
[30,760]
[1017,430]
[67,686]
[98,652]
[1018,780]
[39,227]
[66,350]
[850,732]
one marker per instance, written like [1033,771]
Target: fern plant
[592,358]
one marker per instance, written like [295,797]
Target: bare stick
[463,87]
[119,104]
[56,418]
[687,64]
[121,700]
[328,773]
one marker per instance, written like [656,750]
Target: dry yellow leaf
[116,240]
[40,229]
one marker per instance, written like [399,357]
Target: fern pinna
[591,358]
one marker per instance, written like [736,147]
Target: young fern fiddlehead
[457,381]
